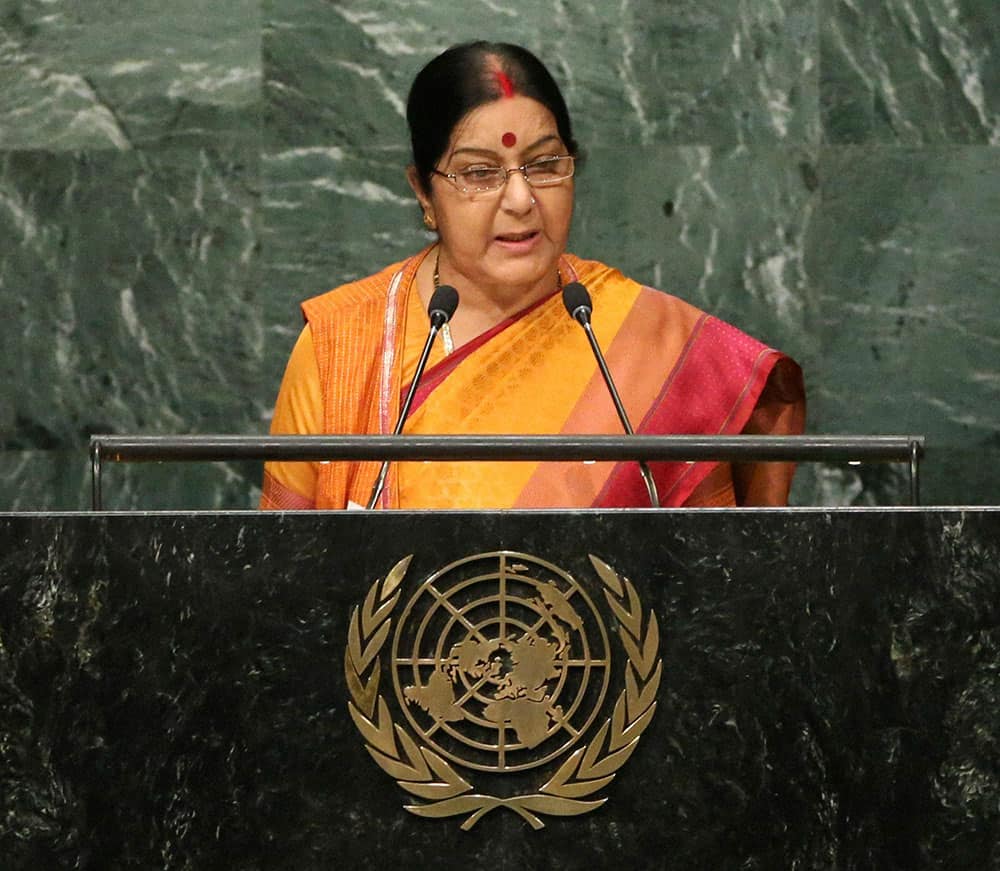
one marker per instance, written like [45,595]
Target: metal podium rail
[742,448]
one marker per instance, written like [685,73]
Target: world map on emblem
[501,661]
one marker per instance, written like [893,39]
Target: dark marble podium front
[172,691]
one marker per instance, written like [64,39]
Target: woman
[493,164]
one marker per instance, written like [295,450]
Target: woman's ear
[413,177]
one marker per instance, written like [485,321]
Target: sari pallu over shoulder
[715,388]
[680,372]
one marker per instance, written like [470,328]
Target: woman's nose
[517,192]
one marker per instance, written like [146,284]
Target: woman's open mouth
[522,241]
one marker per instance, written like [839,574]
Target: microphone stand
[581,314]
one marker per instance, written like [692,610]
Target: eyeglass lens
[549,170]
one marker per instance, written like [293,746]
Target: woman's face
[508,240]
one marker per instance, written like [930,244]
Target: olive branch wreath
[427,775]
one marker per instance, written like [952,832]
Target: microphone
[578,304]
[442,306]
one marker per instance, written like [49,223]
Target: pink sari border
[703,395]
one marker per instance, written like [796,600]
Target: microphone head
[577,301]
[442,306]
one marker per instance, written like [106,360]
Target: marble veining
[911,71]
[88,75]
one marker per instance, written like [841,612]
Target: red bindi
[509,139]
[506,85]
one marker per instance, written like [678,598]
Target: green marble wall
[175,177]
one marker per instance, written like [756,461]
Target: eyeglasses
[539,174]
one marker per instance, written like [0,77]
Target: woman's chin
[537,280]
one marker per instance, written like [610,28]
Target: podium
[176,689]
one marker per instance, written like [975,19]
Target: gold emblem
[501,664]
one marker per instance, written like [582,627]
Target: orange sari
[678,370]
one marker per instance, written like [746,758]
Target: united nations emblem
[501,663]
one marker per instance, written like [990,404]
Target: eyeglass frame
[523,169]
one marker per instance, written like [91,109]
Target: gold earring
[429,222]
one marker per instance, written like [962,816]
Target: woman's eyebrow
[552,137]
[469,150]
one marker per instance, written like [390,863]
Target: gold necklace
[449,344]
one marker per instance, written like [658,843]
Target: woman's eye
[545,166]
[478,173]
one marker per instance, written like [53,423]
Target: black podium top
[807,688]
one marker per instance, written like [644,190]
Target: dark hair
[464,77]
